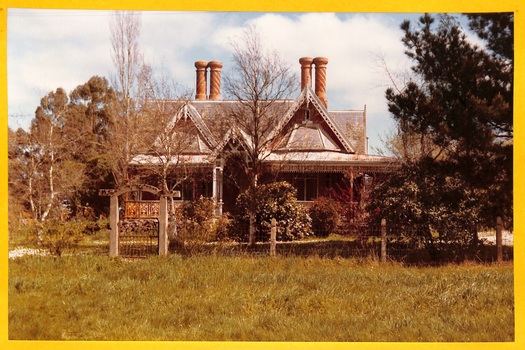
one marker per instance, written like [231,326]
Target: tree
[460,102]
[497,29]
[46,132]
[167,132]
[38,157]
[86,132]
[21,175]
[259,82]
[125,123]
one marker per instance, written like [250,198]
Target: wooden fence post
[113,222]
[163,225]
[499,239]
[383,240]
[273,237]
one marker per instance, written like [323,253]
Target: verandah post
[383,240]
[273,237]
[499,239]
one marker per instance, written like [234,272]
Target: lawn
[257,298]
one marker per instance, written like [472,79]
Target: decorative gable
[308,117]
[190,133]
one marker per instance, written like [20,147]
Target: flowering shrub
[275,200]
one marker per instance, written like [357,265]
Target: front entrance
[142,231]
[139,229]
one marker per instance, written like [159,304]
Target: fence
[385,242]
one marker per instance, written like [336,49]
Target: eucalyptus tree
[87,131]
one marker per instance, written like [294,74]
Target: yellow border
[417,6]
[279,5]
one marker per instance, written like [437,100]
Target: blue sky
[48,49]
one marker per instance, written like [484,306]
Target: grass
[248,298]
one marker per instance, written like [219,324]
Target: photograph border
[401,6]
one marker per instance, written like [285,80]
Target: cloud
[49,49]
[353,43]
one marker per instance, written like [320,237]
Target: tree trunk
[251,239]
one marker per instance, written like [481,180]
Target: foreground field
[256,298]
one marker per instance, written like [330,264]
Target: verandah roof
[324,162]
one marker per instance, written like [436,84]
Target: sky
[48,49]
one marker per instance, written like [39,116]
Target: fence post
[163,225]
[273,237]
[383,240]
[113,222]
[499,239]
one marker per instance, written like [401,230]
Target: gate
[139,230]
[143,228]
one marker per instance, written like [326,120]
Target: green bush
[431,198]
[275,200]
[325,216]
[58,236]
[197,224]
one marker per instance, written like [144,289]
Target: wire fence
[406,244]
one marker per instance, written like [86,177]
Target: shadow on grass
[370,250]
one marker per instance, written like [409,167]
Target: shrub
[325,216]
[275,200]
[197,224]
[432,197]
[58,236]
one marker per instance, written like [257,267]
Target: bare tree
[126,124]
[402,142]
[167,131]
[260,82]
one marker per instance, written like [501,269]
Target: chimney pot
[306,71]
[215,80]
[200,88]
[320,79]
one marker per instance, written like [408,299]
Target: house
[311,147]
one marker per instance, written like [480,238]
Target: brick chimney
[215,80]
[320,79]
[306,71]
[200,93]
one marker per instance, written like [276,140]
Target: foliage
[497,29]
[213,298]
[325,214]
[434,202]
[258,81]
[352,195]
[88,130]
[62,158]
[273,201]
[197,224]
[59,236]
[460,104]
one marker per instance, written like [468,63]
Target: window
[191,189]
[306,187]
[186,190]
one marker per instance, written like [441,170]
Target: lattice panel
[141,209]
